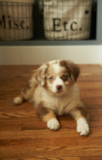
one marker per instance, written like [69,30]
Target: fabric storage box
[67,19]
[16,19]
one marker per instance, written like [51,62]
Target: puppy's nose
[59,87]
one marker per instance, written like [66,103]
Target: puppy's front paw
[53,124]
[18,100]
[82,127]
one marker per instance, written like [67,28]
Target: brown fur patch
[44,113]
[72,68]
[79,112]
[49,116]
[26,88]
[41,110]
[64,76]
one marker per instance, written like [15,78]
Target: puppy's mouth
[59,91]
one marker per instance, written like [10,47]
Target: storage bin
[67,19]
[16,19]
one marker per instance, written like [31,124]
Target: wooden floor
[24,136]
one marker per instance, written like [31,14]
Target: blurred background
[33,32]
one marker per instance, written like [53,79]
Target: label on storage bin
[67,19]
[9,23]
[16,21]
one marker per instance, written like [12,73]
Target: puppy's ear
[40,74]
[72,68]
[74,71]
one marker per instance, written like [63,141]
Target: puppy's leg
[26,93]
[80,115]
[48,116]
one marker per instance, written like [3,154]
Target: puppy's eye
[64,77]
[50,78]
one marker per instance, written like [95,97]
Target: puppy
[54,91]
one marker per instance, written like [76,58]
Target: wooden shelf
[49,43]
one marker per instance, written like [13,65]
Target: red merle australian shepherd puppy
[54,91]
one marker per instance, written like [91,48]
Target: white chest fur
[58,104]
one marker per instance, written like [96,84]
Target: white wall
[29,55]
[101,55]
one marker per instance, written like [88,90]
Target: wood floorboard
[91,158]
[23,136]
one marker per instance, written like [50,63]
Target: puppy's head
[57,76]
